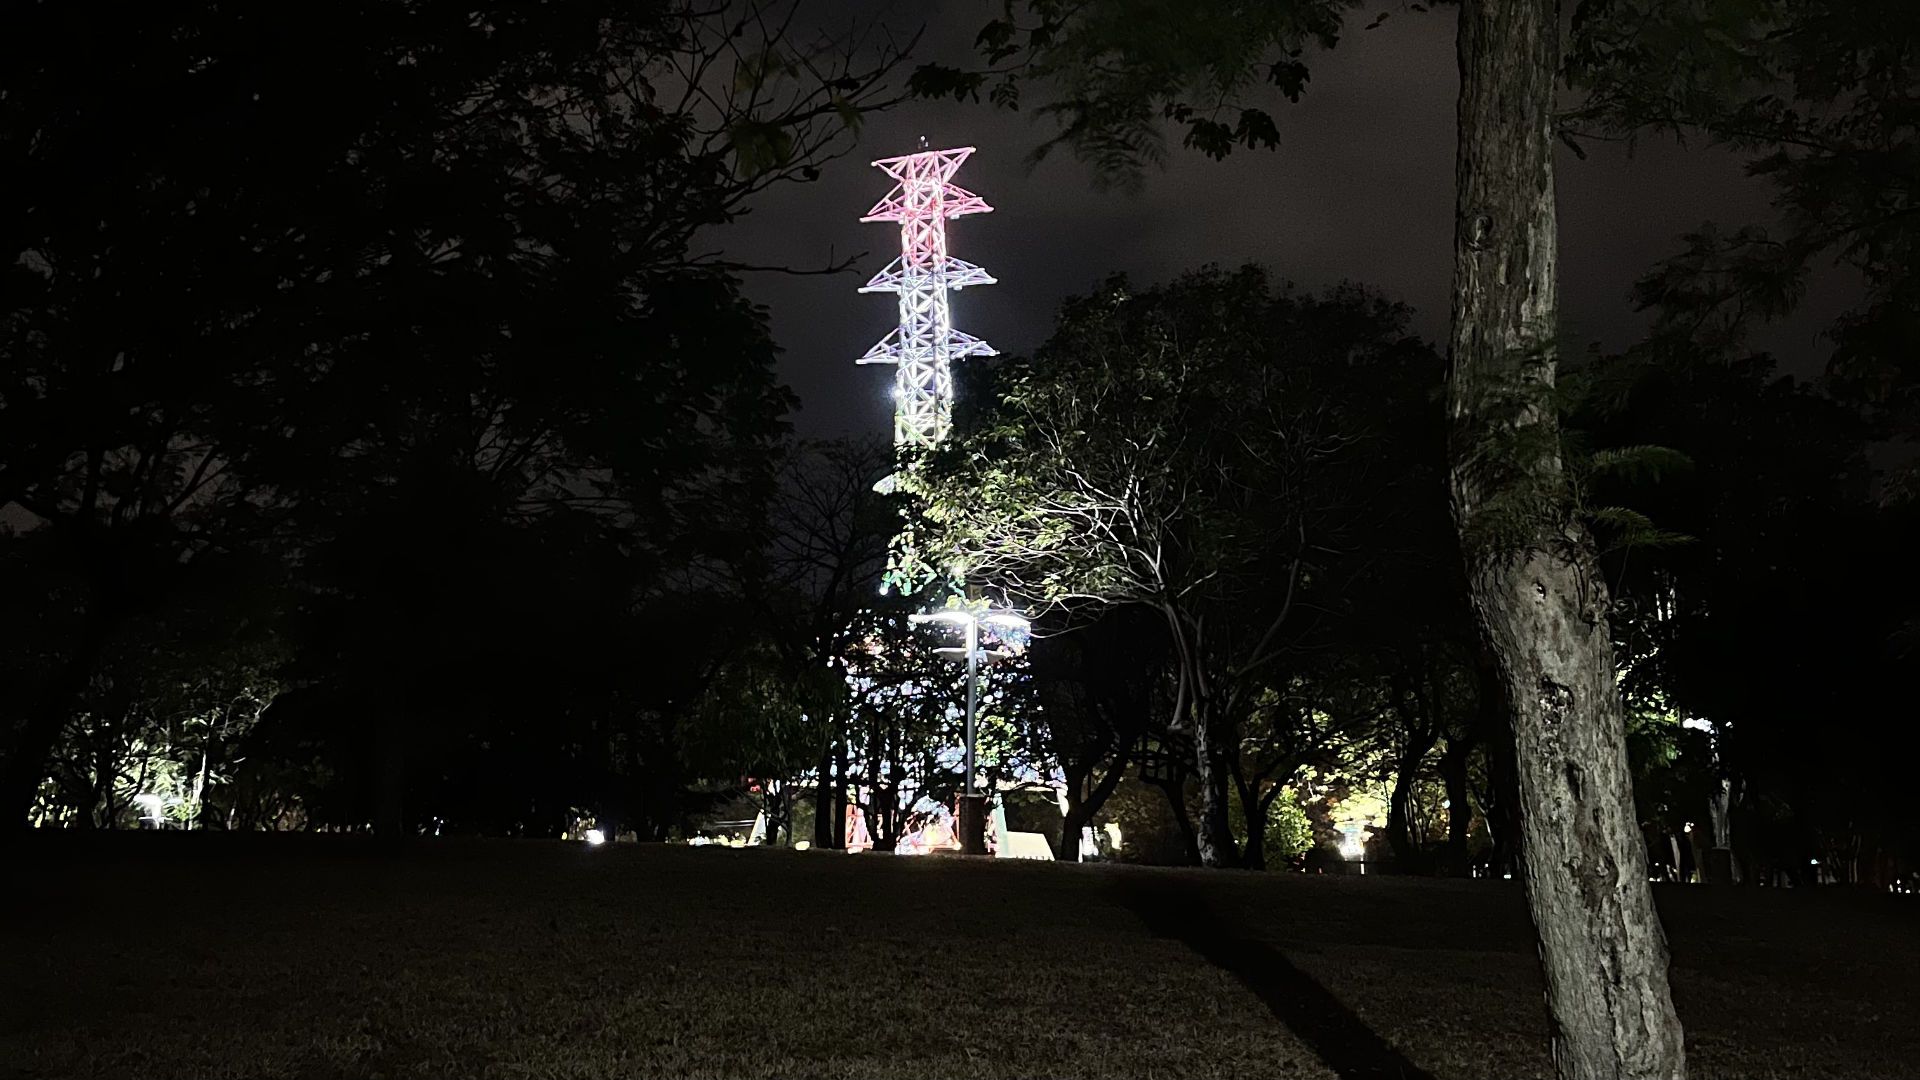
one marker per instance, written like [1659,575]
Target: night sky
[1361,189]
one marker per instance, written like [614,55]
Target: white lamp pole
[972,813]
[973,693]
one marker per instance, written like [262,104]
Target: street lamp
[973,821]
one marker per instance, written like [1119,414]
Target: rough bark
[1196,713]
[1531,569]
[1215,836]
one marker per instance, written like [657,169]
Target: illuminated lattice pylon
[925,344]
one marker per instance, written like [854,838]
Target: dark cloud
[1361,189]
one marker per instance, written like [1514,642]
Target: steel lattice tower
[925,344]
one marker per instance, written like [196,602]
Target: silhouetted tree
[405,295]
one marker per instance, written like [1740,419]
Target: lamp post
[973,820]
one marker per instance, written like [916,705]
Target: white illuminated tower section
[925,344]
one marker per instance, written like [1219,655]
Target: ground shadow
[1343,1041]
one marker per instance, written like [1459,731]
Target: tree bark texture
[1532,572]
[1196,712]
[1215,838]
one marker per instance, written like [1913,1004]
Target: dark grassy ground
[196,956]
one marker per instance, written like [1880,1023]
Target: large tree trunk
[1196,714]
[1215,836]
[1532,572]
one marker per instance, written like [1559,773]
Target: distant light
[801,845]
[1446,804]
[594,836]
[1689,826]
[155,807]
[1813,862]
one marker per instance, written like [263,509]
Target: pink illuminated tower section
[925,344]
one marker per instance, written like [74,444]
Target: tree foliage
[403,298]
[1194,450]
[1120,72]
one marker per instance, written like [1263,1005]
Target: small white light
[801,845]
[595,836]
[1813,862]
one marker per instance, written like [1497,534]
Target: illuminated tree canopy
[1190,449]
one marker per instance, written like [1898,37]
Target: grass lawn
[200,956]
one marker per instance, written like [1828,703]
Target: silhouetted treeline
[375,453]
